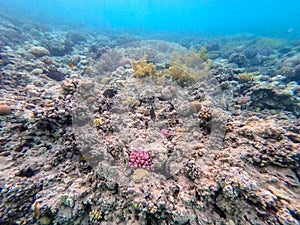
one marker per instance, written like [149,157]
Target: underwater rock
[169,92]
[17,198]
[5,59]
[97,50]
[58,47]
[239,59]
[9,33]
[223,72]
[109,93]
[75,37]
[285,50]
[26,172]
[56,75]
[37,71]
[39,51]
[291,67]
[4,109]
[250,53]
[265,51]
[140,175]
[213,47]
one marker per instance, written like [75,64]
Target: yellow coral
[131,103]
[95,216]
[246,77]
[184,69]
[203,54]
[98,122]
[180,75]
[143,69]
[175,59]
[190,67]
[194,58]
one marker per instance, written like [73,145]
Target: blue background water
[268,17]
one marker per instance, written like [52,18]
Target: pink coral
[140,159]
[165,132]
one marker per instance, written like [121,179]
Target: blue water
[268,17]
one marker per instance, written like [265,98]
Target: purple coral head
[140,159]
[165,132]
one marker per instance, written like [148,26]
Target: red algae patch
[4,109]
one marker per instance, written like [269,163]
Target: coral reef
[220,143]
[291,68]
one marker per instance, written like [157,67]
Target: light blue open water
[269,17]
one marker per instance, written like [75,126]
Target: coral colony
[165,132]
[140,159]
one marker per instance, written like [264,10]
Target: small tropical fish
[71,65]
[36,209]
[152,114]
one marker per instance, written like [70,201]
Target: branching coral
[184,69]
[203,54]
[143,69]
[190,67]
[195,59]
[180,75]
